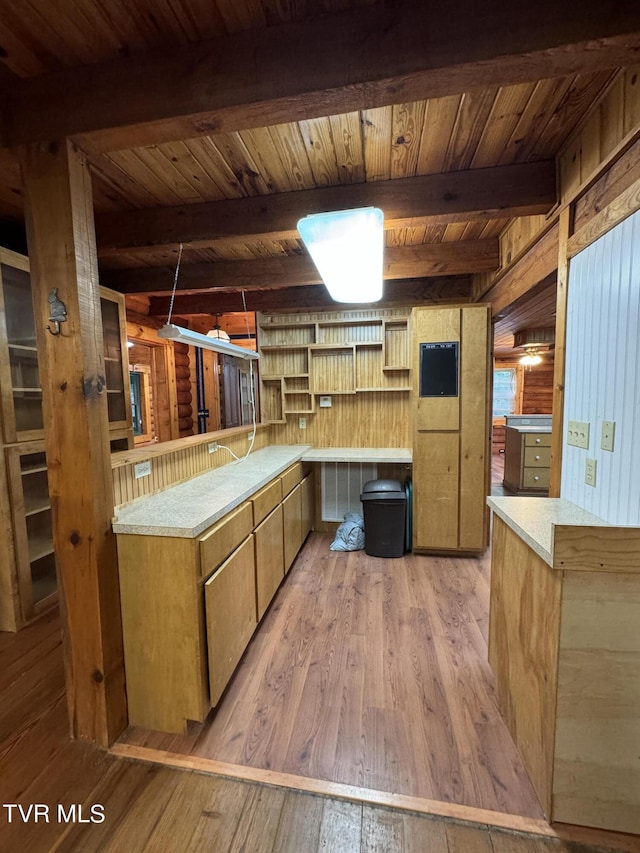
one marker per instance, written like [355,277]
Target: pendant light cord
[175,284]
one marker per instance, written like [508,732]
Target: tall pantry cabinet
[27,559]
[451,403]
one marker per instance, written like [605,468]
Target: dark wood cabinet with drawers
[527,455]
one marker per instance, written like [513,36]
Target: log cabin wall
[537,391]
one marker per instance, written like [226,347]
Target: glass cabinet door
[22,393]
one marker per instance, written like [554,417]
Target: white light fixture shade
[220,334]
[177,333]
[346,246]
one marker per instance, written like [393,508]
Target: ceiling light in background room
[531,357]
[347,247]
[217,332]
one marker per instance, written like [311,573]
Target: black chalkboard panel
[439,369]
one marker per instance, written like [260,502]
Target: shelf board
[316,347]
[329,393]
[298,391]
[365,390]
[354,321]
[115,391]
[39,548]
[377,344]
[37,509]
[300,412]
[36,469]
[281,347]
[396,367]
[27,390]
[24,347]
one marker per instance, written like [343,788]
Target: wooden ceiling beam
[412,292]
[501,191]
[332,64]
[435,259]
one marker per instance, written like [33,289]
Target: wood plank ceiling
[233,193]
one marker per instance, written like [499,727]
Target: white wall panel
[602,379]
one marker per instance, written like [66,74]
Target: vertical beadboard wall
[602,379]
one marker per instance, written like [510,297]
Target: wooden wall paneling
[436,473]
[332,371]
[475,393]
[62,250]
[537,388]
[624,205]
[431,326]
[173,462]
[524,631]
[156,658]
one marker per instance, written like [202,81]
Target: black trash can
[384,506]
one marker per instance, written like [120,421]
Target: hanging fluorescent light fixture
[346,246]
[172,332]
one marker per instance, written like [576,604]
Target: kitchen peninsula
[564,646]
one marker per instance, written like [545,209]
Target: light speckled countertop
[529,428]
[358,454]
[185,510]
[533,519]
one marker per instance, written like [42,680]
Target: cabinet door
[230,600]
[269,558]
[308,505]
[116,362]
[20,390]
[32,528]
[292,525]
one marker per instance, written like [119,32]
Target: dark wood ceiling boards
[218,123]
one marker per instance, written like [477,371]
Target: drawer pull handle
[537,441]
[536,478]
[537,457]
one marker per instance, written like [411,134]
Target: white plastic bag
[350,534]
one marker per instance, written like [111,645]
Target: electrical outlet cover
[590,472]
[142,469]
[608,434]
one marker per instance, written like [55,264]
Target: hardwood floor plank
[300,823]
[341,828]
[373,672]
[258,825]
[153,807]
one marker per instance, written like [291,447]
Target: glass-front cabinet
[27,558]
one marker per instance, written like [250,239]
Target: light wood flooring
[373,673]
[153,808]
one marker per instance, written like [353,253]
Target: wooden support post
[560,353]
[61,239]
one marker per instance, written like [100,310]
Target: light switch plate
[142,469]
[608,434]
[302,423]
[590,472]
[578,434]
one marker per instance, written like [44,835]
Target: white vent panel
[342,484]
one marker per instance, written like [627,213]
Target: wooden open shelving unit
[304,357]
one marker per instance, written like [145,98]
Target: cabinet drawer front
[537,457]
[538,439]
[535,478]
[230,601]
[291,478]
[265,500]
[218,542]
[292,525]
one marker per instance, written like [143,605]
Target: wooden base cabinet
[191,606]
[269,559]
[564,646]
[527,460]
[231,615]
